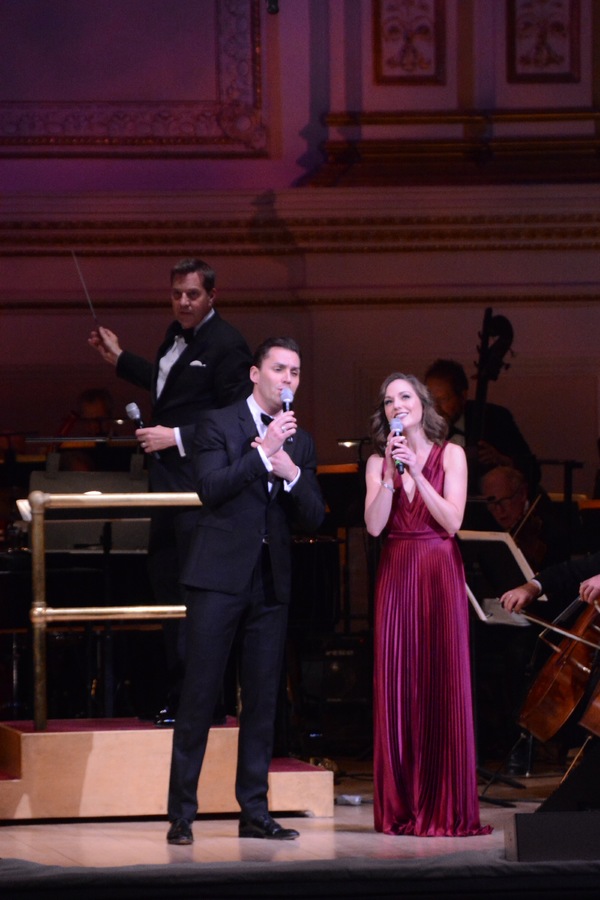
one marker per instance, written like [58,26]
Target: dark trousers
[170,533]
[213,620]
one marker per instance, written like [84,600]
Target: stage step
[94,768]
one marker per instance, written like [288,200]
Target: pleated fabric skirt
[424,748]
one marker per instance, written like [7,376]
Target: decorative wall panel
[409,41]
[141,103]
[543,40]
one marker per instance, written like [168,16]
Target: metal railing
[41,613]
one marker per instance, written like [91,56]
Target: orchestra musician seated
[87,431]
[499,441]
[564,690]
[534,523]
[506,656]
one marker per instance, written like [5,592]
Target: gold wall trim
[463,117]
[302,235]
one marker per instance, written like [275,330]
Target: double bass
[496,338]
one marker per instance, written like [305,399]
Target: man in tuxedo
[506,656]
[500,442]
[202,364]
[256,476]
[579,577]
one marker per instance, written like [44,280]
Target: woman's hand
[395,449]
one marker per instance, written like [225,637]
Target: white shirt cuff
[288,485]
[539,587]
[178,441]
[265,459]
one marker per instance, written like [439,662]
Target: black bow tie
[186,333]
[266,419]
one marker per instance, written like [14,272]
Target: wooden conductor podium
[95,768]
[110,766]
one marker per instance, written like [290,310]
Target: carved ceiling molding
[290,236]
[231,125]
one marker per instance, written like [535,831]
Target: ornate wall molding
[461,147]
[308,248]
[229,125]
[299,236]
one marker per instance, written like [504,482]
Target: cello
[561,683]
[590,719]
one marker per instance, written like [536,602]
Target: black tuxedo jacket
[239,512]
[210,373]
[500,430]
[561,581]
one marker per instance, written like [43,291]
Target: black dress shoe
[165,718]
[180,832]
[266,827]
[520,760]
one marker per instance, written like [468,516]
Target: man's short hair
[263,349]
[450,371]
[192,264]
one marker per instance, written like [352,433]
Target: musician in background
[560,583]
[506,656]
[93,417]
[500,442]
[533,524]
[202,364]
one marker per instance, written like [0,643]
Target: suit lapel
[192,351]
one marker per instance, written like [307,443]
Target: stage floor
[338,856]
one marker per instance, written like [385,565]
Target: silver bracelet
[390,487]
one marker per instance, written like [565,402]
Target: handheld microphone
[287,398]
[133,413]
[397,428]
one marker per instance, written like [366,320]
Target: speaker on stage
[580,790]
[540,836]
[567,824]
[347,693]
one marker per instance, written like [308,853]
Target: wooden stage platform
[95,768]
[335,857]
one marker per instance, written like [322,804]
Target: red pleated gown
[424,748]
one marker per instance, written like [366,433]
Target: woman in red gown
[424,747]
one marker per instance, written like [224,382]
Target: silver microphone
[287,398]
[133,413]
[396,427]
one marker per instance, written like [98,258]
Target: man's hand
[283,466]
[106,343]
[519,597]
[156,438]
[280,429]
[589,590]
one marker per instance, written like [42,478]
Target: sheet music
[488,609]
[497,615]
